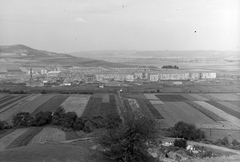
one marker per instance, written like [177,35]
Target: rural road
[215,147]
[167,139]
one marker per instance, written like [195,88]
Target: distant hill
[46,57]
[108,55]
[189,54]
[23,50]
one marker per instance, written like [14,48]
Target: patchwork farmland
[220,112]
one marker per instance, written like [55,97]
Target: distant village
[107,76]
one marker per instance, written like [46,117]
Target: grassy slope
[47,152]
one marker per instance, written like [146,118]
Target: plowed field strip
[2,95]
[221,113]
[154,102]
[31,106]
[93,107]
[105,98]
[152,109]
[225,109]
[226,97]
[232,105]
[7,99]
[76,103]
[209,97]
[169,116]
[52,104]
[168,119]
[109,108]
[189,97]
[171,98]
[48,135]
[6,140]
[5,132]
[25,138]
[188,113]
[144,109]
[198,97]
[205,111]
[14,102]
[151,96]
[7,115]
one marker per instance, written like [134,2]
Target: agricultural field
[76,103]
[172,98]
[235,121]
[51,104]
[7,115]
[93,106]
[32,105]
[25,138]
[108,106]
[225,109]
[219,112]
[9,138]
[48,134]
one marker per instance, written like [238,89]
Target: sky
[80,25]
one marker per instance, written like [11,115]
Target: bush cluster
[67,120]
[4,125]
[170,67]
[76,92]
[225,142]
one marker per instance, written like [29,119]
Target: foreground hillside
[48,153]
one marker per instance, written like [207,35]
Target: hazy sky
[75,25]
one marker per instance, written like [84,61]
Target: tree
[112,121]
[130,141]
[182,143]
[2,126]
[58,116]
[235,142]
[187,131]
[43,118]
[69,119]
[78,124]
[23,119]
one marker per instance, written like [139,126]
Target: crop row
[110,107]
[153,110]
[235,121]
[6,99]
[76,103]
[52,104]
[92,107]
[25,138]
[205,111]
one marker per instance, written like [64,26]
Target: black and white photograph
[119,81]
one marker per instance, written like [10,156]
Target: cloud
[79,19]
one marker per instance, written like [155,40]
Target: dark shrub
[69,119]
[58,116]
[23,119]
[88,127]
[182,143]
[2,126]
[78,124]
[235,142]
[43,118]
